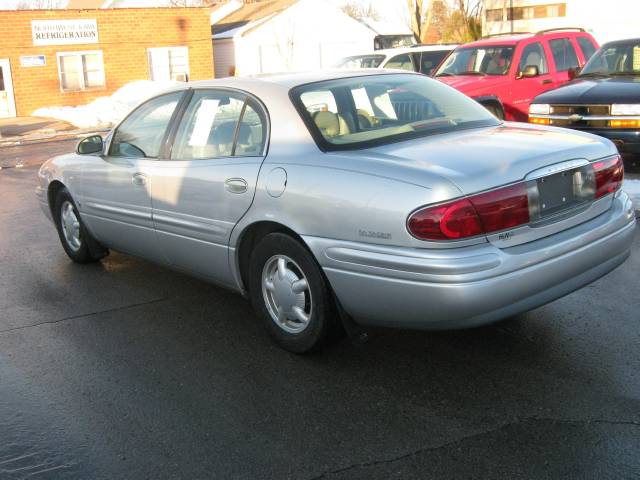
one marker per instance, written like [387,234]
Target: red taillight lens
[483,213]
[457,219]
[609,175]
[503,208]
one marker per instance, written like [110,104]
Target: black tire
[495,110]
[323,321]
[88,250]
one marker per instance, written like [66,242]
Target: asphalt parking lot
[123,369]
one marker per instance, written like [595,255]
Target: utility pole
[511,13]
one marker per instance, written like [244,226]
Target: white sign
[64,32]
[32,61]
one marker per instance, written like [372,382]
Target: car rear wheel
[290,294]
[77,242]
[495,110]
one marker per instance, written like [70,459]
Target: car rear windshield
[493,60]
[361,61]
[365,111]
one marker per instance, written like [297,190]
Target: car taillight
[609,175]
[483,213]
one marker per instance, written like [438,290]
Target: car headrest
[330,124]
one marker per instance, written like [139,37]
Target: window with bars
[169,63]
[80,71]
[495,15]
[537,11]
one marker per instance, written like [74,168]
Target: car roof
[622,41]
[387,52]
[416,48]
[510,39]
[290,80]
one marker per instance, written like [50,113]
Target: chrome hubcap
[286,293]
[70,226]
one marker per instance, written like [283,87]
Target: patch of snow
[106,111]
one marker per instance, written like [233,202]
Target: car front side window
[141,133]
[533,55]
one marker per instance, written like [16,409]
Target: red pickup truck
[506,72]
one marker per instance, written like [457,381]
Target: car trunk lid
[555,165]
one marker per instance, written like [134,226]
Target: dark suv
[604,99]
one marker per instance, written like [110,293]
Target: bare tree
[359,11]
[418,18]
[39,4]
[465,23]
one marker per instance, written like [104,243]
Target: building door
[7,103]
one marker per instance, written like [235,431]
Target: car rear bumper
[475,285]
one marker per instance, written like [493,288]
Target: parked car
[505,72]
[385,199]
[418,58]
[604,99]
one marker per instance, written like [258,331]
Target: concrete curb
[56,137]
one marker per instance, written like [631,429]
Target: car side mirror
[573,72]
[90,145]
[529,71]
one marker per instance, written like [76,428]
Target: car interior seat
[331,124]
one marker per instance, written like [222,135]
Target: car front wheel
[77,242]
[290,294]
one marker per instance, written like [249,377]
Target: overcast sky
[392,10]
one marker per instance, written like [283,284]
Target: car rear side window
[533,55]
[430,60]
[141,133]
[363,61]
[587,47]
[402,62]
[219,124]
[564,55]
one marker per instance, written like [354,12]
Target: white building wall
[605,20]
[309,35]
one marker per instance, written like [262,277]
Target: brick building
[70,57]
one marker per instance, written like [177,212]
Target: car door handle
[235,185]
[547,81]
[139,179]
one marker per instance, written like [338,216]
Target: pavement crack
[419,451]
[586,421]
[413,453]
[83,315]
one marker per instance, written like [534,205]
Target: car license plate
[559,192]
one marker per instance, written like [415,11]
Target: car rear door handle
[235,185]
[547,81]
[139,179]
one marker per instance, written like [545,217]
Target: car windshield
[361,61]
[615,59]
[494,60]
[361,112]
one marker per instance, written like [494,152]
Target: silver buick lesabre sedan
[346,198]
